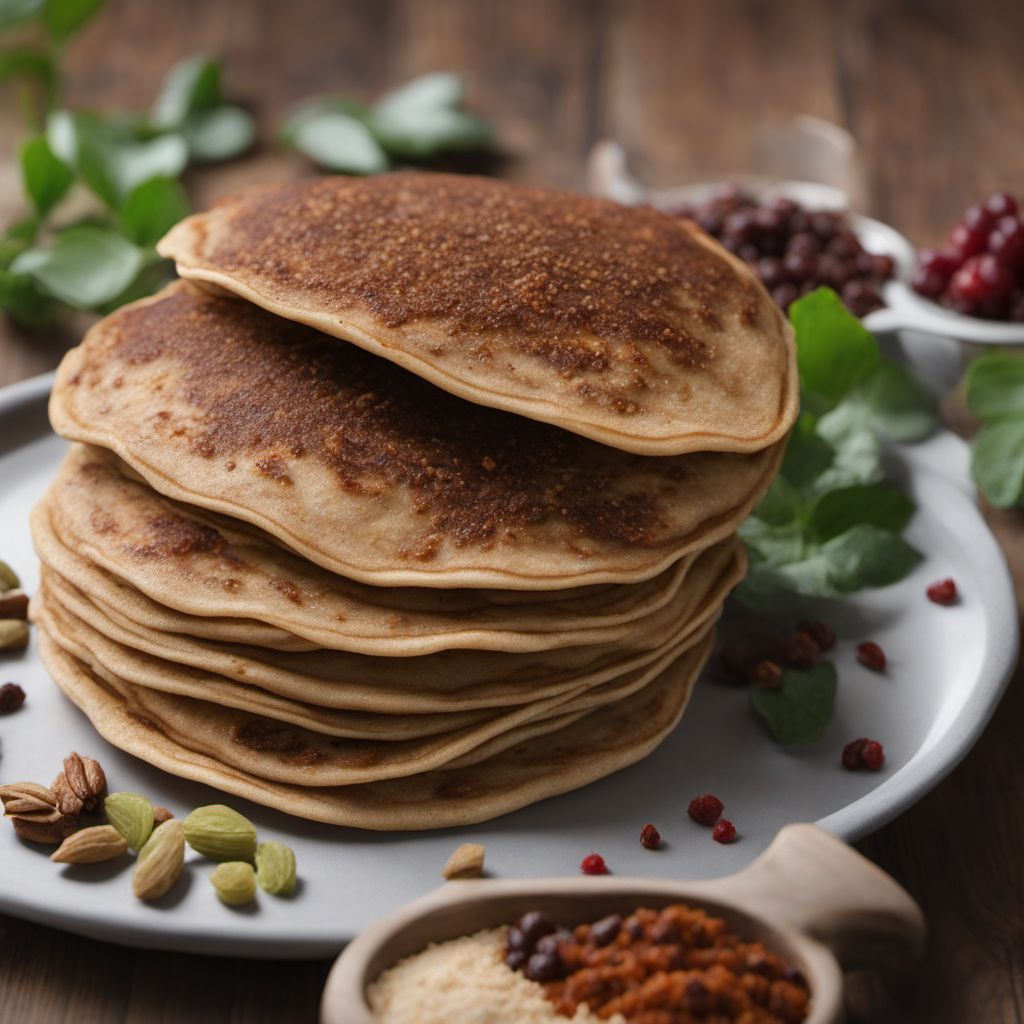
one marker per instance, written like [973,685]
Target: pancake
[288,753]
[625,325]
[601,743]
[443,682]
[94,522]
[369,471]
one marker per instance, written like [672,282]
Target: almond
[91,846]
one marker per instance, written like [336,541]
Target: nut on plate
[8,578]
[35,814]
[86,779]
[13,634]
[160,861]
[14,605]
[235,882]
[91,846]
[466,862]
[275,868]
[132,815]
[160,814]
[220,833]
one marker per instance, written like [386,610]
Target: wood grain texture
[933,93]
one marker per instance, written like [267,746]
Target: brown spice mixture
[676,966]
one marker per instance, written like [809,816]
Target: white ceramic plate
[948,668]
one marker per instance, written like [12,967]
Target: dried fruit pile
[979,270]
[794,250]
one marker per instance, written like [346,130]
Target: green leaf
[808,454]
[218,134]
[46,178]
[191,86]
[997,461]
[427,92]
[895,402]
[66,17]
[801,708]
[418,134]
[315,108]
[340,142]
[778,544]
[24,62]
[867,556]
[834,349]
[21,298]
[877,505]
[152,209]
[85,267]
[857,455]
[113,170]
[13,12]
[995,385]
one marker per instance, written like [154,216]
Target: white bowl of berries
[800,235]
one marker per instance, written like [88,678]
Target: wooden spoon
[809,897]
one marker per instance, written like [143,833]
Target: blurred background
[931,91]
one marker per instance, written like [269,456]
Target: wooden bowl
[809,897]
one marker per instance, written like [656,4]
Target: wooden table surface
[933,93]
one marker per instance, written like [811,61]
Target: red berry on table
[650,837]
[724,832]
[851,757]
[968,241]
[12,696]
[705,809]
[593,864]
[871,656]
[1006,242]
[942,591]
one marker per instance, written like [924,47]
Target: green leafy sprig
[421,120]
[129,164]
[830,523]
[995,394]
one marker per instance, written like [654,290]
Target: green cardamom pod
[275,868]
[8,577]
[220,833]
[235,883]
[132,816]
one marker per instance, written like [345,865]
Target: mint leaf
[997,461]
[85,267]
[21,299]
[876,505]
[834,349]
[427,92]
[808,454]
[152,209]
[25,62]
[114,169]
[867,556]
[801,708]
[64,18]
[192,85]
[339,142]
[857,455]
[218,134]
[46,178]
[310,110]
[995,385]
[894,402]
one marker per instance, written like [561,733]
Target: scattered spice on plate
[821,632]
[863,753]
[943,592]
[705,809]
[466,862]
[12,696]
[593,864]
[724,831]
[871,656]
[650,837]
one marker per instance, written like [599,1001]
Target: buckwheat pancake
[93,522]
[373,473]
[624,325]
[443,682]
[603,742]
[289,753]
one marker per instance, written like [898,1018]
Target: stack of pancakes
[416,501]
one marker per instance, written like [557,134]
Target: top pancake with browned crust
[369,470]
[622,324]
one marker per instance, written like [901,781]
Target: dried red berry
[942,592]
[705,809]
[724,832]
[851,759]
[12,696]
[801,651]
[870,655]
[767,675]
[821,632]
[593,864]
[650,837]
[873,755]
[863,753]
